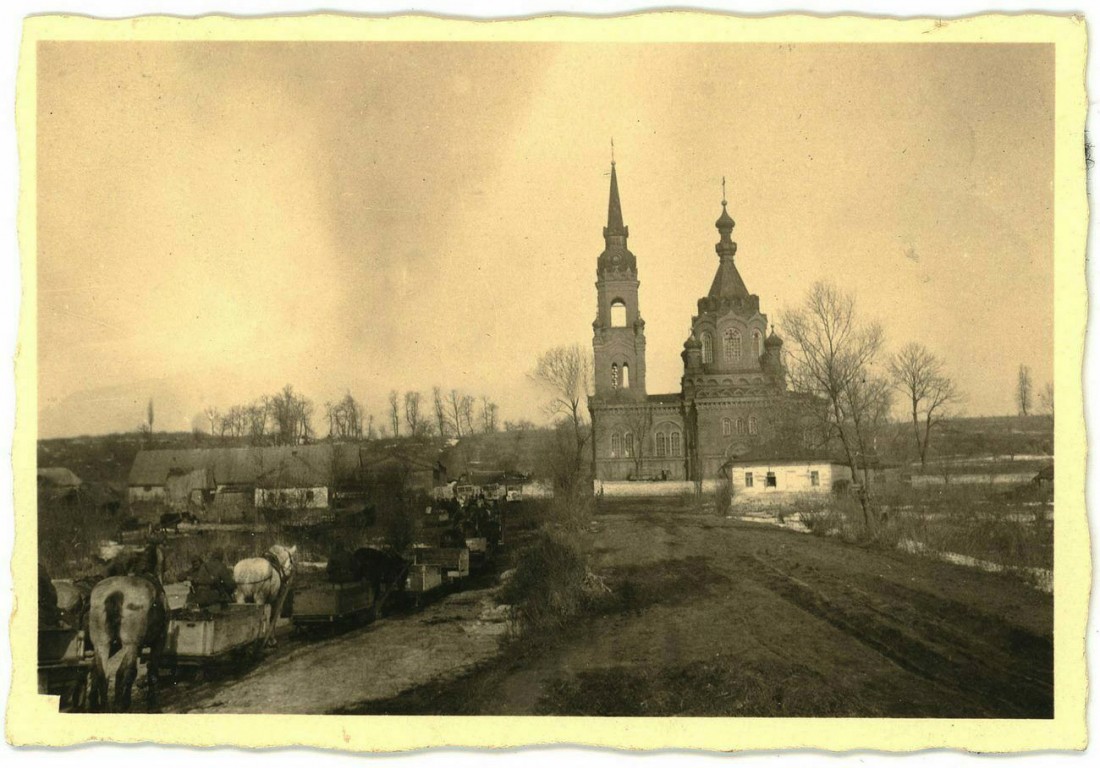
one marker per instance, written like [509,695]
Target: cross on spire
[613,150]
[723,191]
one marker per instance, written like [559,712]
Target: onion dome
[725,221]
[693,343]
[773,341]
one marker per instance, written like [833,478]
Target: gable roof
[314,465]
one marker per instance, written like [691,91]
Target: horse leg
[125,676]
[97,683]
[152,674]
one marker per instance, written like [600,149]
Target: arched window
[614,375]
[740,426]
[674,438]
[618,314]
[752,425]
[727,428]
[757,344]
[626,375]
[708,348]
[628,445]
[662,445]
[615,445]
[732,343]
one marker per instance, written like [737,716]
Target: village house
[230,484]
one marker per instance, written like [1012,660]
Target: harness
[276,565]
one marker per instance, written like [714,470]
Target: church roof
[614,207]
[669,398]
[727,282]
[616,257]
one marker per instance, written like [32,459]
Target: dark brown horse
[383,568]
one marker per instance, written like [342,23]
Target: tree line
[288,418]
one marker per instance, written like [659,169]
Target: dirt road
[739,618]
[380,660]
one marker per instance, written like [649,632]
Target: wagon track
[916,643]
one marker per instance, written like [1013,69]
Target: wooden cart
[454,562]
[200,638]
[328,603]
[63,666]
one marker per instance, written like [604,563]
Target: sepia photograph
[553,371]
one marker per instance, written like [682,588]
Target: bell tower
[618,341]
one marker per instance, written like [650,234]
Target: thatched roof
[273,466]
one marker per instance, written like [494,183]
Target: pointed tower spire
[614,208]
[727,281]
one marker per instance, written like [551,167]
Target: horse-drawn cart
[330,603]
[454,562]
[63,665]
[204,637]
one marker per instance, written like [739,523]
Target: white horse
[262,579]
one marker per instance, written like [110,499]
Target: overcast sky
[217,220]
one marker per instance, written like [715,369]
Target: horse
[266,581]
[261,579]
[384,569]
[125,614]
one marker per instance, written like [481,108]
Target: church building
[733,386]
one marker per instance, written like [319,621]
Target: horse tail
[113,609]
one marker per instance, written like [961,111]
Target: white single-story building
[774,478]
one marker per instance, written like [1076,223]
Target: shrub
[723,496]
[547,587]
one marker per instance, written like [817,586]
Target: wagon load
[328,602]
[423,578]
[60,645]
[198,635]
[177,594]
[63,665]
[478,545]
[453,561]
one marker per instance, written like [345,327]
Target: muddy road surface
[320,673]
[719,617]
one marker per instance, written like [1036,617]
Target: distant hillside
[975,437]
[520,451]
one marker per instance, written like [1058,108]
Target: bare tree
[638,420]
[454,406]
[1023,390]
[566,374]
[345,418]
[257,415]
[488,415]
[1046,399]
[918,376]
[214,416]
[291,414]
[440,411]
[834,359]
[413,418]
[395,413]
[466,411]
